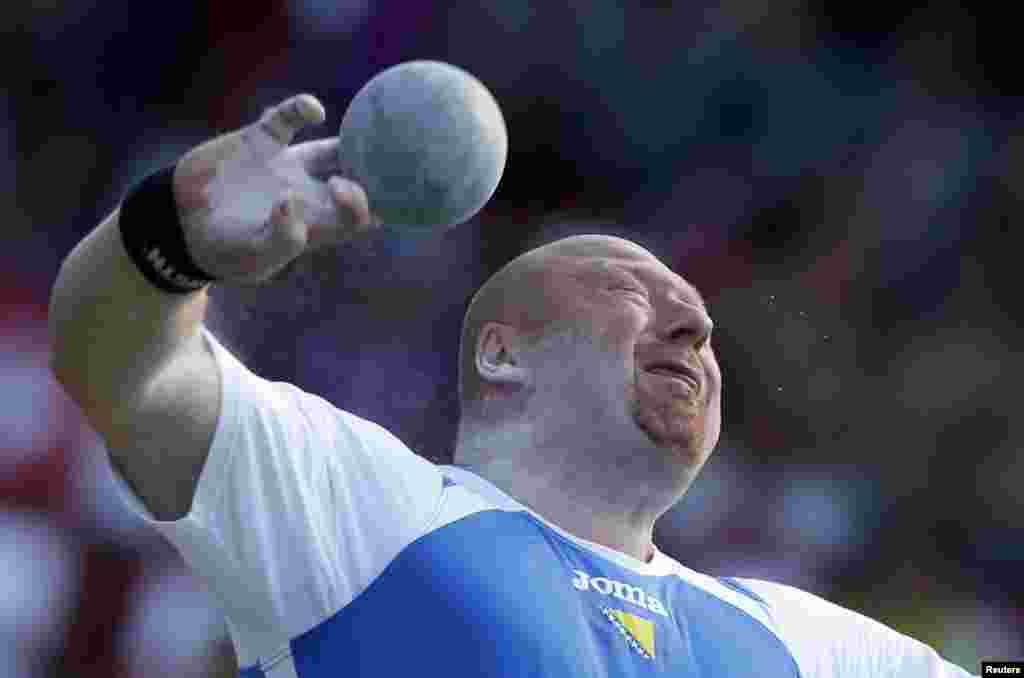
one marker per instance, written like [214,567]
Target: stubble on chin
[671,425]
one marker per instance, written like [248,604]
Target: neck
[608,503]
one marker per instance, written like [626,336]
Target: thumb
[283,121]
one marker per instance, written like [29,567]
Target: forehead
[631,259]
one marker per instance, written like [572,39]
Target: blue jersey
[336,551]
[499,593]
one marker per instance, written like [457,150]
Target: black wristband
[153,236]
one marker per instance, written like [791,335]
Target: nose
[687,324]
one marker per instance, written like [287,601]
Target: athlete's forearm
[110,327]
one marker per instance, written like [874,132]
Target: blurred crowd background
[841,181]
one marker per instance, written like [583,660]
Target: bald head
[518,295]
[590,391]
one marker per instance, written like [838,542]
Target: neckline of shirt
[660,564]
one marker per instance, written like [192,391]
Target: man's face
[634,351]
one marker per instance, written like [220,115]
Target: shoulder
[783,597]
[807,614]
[811,614]
[826,639]
[831,640]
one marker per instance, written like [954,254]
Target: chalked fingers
[353,207]
[319,158]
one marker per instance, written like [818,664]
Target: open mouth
[675,371]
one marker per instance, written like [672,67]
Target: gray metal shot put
[427,141]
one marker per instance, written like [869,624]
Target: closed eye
[631,290]
[624,288]
[614,279]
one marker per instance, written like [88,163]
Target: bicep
[159,437]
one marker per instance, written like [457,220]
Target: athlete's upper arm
[830,641]
[158,437]
[298,506]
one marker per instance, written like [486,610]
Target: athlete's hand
[250,202]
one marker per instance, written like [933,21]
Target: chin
[677,427]
[678,435]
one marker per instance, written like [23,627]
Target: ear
[498,356]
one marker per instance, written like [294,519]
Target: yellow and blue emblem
[638,632]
